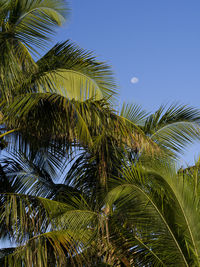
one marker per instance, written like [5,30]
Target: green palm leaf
[70,71]
[174,127]
[159,208]
[31,22]
[134,113]
[29,220]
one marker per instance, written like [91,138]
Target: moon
[134,80]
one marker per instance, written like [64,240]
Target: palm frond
[63,117]
[68,121]
[134,113]
[5,252]
[146,199]
[66,230]
[31,22]
[174,127]
[35,174]
[72,72]
[24,25]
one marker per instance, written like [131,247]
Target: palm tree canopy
[30,22]
[149,206]
[80,183]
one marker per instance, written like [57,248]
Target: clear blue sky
[156,41]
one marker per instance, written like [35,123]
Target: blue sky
[156,41]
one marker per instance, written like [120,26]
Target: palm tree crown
[82,184]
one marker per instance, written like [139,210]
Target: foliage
[82,184]
[149,216]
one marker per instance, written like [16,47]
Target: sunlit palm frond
[174,127]
[145,199]
[134,113]
[185,192]
[24,25]
[36,111]
[57,118]
[31,22]
[15,60]
[72,72]
[136,215]
[45,227]
[55,247]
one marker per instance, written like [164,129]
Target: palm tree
[66,84]
[64,73]
[54,223]
[153,216]
[58,108]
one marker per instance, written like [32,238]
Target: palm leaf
[70,228]
[31,22]
[24,25]
[70,71]
[37,174]
[156,199]
[174,127]
[134,114]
